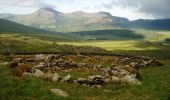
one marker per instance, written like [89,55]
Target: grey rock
[39,66]
[67,78]
[59,92]
[131,79]
[82,80]
[115,79]
[40,57]
[26,74]
[56,77]
[38,73]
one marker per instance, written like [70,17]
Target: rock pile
[45,66]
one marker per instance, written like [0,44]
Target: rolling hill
[8,27]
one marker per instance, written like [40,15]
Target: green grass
[117,45]
[155,86]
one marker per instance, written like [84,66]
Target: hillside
[8,27]
[158,24]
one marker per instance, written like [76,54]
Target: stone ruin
[46,67]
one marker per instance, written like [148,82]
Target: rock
[40,57]
[56,77]
[131,79]
[107,80]
[98,86]
[59,92]
[38,73]
[14,64]
[48,76]
[39,66]
[18,59]
[26,74]
[91,77]
[115,79]
[50,57]
[4,63]
[67,78]
[82,80]
[96,80]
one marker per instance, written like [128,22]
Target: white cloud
[132,9]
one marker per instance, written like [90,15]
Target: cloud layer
[156,8]
[27,3]
[132,9]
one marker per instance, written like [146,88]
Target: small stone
[59,92]
[107,80]
[26,74]
[39,66]
[4,63]
[115,78]
[82,80]
[56,77]
[91,77]
[38,73]
[48,75]
[67,78]
[99,86]
[40,57]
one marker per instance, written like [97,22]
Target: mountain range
[50,19]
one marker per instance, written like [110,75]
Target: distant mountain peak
[47,9]
[105,13]
[42,10]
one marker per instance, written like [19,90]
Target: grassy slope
[8,27]
[21,44]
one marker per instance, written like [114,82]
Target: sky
[131,9]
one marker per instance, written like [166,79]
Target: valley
[48,54]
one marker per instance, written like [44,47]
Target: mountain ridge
[50,19]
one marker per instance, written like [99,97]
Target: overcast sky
[131,9]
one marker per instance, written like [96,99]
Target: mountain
[51,19]
[159,24]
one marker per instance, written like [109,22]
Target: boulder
[56,77]
[131,79]
[38,73]
[59,92]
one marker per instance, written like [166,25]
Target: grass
[117,45]
[155,86]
